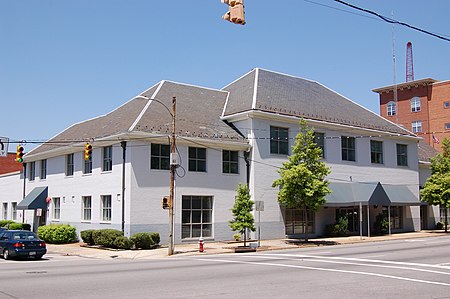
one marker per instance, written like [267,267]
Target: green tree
[436,190]
[242,212]
[302,178]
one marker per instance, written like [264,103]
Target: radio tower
[409,63]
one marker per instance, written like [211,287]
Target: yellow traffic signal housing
[165,202]
[87,152]
[236,13]
[19,153]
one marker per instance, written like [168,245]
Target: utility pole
[172,177]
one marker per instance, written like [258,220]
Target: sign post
[4,143]
[259,206]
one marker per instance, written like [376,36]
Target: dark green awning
[401,196]
[36,199]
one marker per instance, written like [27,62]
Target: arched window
[391,108]
[415,104]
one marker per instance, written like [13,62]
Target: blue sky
[62,62]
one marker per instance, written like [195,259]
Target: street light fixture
[172,169]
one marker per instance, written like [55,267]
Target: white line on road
[328,270]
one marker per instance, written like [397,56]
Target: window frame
[402,154]
[32,174]
[43,170]
[197,157]
[13,210]
[5,211]
[86,209]
[416,126]
[348,148]
[447,126]
[87,166]
[70,164]
[107,158]
[396,219]
[320,142]
[56,208]
[230,162]
[190,211]
[446,104]
[415,104]
[391,108]
[279,140]
[106,208]
[376,152]
[159,156]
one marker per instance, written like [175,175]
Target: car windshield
[24,236]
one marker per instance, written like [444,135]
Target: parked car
[21,243]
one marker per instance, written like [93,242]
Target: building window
[447,104]
[402,155]
[279,141]
[396,216]
[56,208]
[319,140]
[14,210]
[376,152]
[87,166]
[444,212]
[447,126]
[415,104]
[352,216]
[197,159]
[294,221]
[107,158]
[87,208]
[196,216]
[43,175]
[5,211]
[69,165]
[160,156]
[230,161]
[391,108]
[417,126]
[106,208]
[32,175]
[348,146]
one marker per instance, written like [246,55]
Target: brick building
[8,164]
[422,106]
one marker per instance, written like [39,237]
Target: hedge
[106,237]
[4,223]
[19,226]
[86,236]
[57,233]
[145,240]
[123,243]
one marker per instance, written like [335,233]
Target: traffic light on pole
[87,152]
[165,202]
[236,13]
[19,153]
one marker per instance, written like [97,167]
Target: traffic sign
[4,143]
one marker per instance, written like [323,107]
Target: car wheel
[6,254]
[38,257]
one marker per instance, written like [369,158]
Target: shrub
[57,233]
[106,237]
[381,225]
[339,229]
[86,236]
[123,243]
[143,240]
[440,225]
[156,238]
[19,226]
[237,237]
[4,223]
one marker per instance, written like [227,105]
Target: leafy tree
[242,212]
[302,178]
[436,190]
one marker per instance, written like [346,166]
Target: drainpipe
[24,189]
[123,144]
[247,164]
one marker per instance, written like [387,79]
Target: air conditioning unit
[174,159]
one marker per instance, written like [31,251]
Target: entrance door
[352,215]
[294,221]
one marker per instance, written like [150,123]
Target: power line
[389,20]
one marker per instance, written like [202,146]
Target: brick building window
[447,126]
[391,108]
[415,104]
[416,126]
[447,104]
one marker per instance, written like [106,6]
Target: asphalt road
[413,268]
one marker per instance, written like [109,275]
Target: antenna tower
[409,63]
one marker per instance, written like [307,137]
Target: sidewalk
[77,249]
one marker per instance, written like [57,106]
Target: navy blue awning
[36,199]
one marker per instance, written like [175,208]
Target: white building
[239,134]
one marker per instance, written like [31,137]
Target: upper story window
[391,108]
[107,158]
[447,126]
[447,104]
[376,152]
[402,155]
[230,161]
[415,104]
[43,175]
[159,156]
[279,141]
[5,210]
[14,210]
[69,165]
[87,166]
[348,148]
[32,174]
[319,139]
[197,159]
[416,126]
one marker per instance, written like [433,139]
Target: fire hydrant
[200,245]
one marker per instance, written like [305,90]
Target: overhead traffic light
[19,153]
[236,12]
[165,202]
[88,152]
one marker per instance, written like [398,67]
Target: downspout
[247,166]
[24,189]
[123,144]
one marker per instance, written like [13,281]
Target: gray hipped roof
[272,92]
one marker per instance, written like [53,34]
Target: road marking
[328,270]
